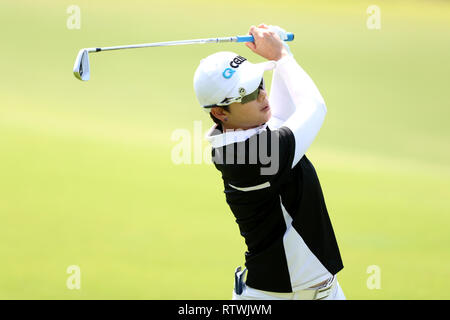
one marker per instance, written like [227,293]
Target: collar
[218,139]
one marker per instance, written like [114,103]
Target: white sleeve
[297,104]
[280,101]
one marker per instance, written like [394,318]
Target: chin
[268,116]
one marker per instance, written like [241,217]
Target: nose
[262,95]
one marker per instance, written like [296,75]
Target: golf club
[81,68]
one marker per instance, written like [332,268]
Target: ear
[220,113]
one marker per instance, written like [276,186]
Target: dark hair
[226,108]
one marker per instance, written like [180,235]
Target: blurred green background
[86,171]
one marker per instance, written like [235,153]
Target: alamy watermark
[374,19]
[374,280]
[73,282]
[232,147]
[74,19]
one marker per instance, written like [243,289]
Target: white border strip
[257,187]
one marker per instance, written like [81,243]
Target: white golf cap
[224,76]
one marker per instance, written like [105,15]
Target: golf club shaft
[246,38]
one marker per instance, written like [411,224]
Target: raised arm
[309,113]
[280,101]
[295,100]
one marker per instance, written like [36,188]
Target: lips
[266,108]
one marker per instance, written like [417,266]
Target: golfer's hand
[267,43]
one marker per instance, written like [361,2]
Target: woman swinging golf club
[258,145]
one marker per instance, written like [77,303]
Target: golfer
[259,144]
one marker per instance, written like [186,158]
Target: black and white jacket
[273,189]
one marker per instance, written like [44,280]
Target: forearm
[305,112]
[280,101]
[291,87]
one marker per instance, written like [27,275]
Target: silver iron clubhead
[81,68]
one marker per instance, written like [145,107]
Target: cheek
[249,113]
[245,112]
[254,107]
[254,113]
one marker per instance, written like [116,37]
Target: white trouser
[335,293]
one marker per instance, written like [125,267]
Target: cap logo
[228,73]
[242,92]
[237,61]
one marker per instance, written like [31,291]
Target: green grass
[86,176]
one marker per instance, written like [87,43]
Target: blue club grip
[249,38]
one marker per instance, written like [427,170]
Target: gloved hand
[282,34]
[267,44]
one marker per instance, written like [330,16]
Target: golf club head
[81,68]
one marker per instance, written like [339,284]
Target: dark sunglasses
[245,99]
[254,95]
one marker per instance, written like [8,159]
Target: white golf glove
[283,36]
